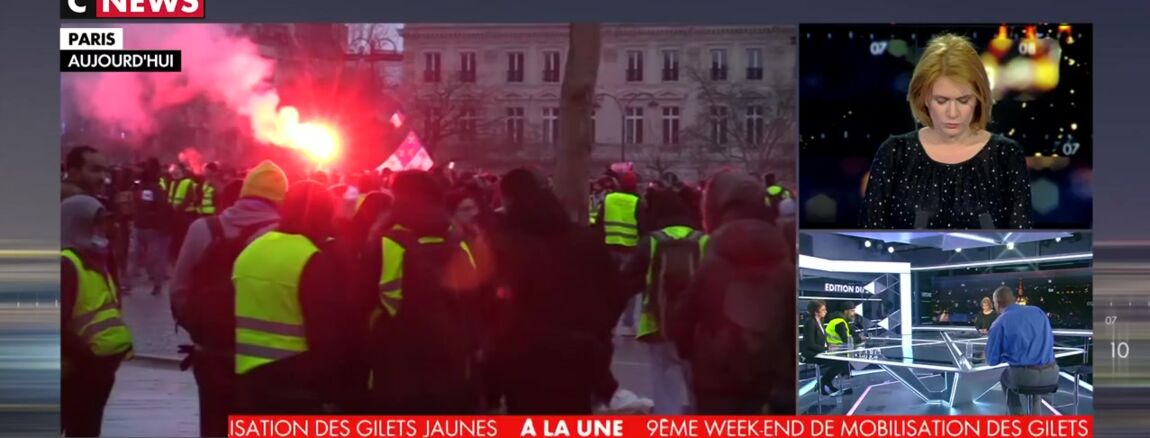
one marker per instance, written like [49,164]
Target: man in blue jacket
[1021,337]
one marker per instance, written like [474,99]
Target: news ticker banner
[658,427]
[102,50]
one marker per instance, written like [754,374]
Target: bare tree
[664,161]
[744,122]
[372,38]
[449,111]
[573,165]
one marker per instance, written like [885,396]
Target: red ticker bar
[658,427]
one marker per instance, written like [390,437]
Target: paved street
[154,398]
[150,318]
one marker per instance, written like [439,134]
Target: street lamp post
[623,117]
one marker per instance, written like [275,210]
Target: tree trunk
[573,166]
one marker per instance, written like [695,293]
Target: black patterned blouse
[909,190]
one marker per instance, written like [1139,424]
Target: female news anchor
[985,318]
[951,173]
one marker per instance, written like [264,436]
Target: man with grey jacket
[202,302]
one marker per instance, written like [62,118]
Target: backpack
[426,350]
[673,267]
[209,314]
[738,346]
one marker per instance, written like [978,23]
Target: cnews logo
[120,9]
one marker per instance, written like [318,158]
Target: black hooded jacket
[725,307]
[563,297]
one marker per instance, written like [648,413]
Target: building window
[670,125]
[718,64]
[719,125]
[515,67]
[754,64]
[634,66]
[431,64]
[670,65]
[467,124]
[515,125]
[467,67]
[551,125]
[755,124]
[551,66]
[634,125]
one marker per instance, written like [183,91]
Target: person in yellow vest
[181,188]
[422,345]
[202,292]
[166,180]
[814,343]
[840,335]
[182,196]
[619,216]
[776,194]
[94,338]
[208,190]
[839,332]
[663,266]
[292,327]
[620,219]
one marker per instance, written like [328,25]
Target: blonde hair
[986,301]
[954,57]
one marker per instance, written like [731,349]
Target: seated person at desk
[814,343]
[1021,336]
[839,332]
[985,317]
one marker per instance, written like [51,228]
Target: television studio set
[907,317]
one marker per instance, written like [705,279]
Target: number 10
[1120,350]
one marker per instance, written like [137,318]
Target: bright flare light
[319,142]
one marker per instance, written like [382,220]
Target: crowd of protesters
[430,292]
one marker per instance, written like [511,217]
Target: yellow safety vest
[180,192]
[619,224]
[269,318]
[832,331]
[777,191]
[391,274]
[648,320]
[208,203]
[391,278]
[592,211]
[96,315]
